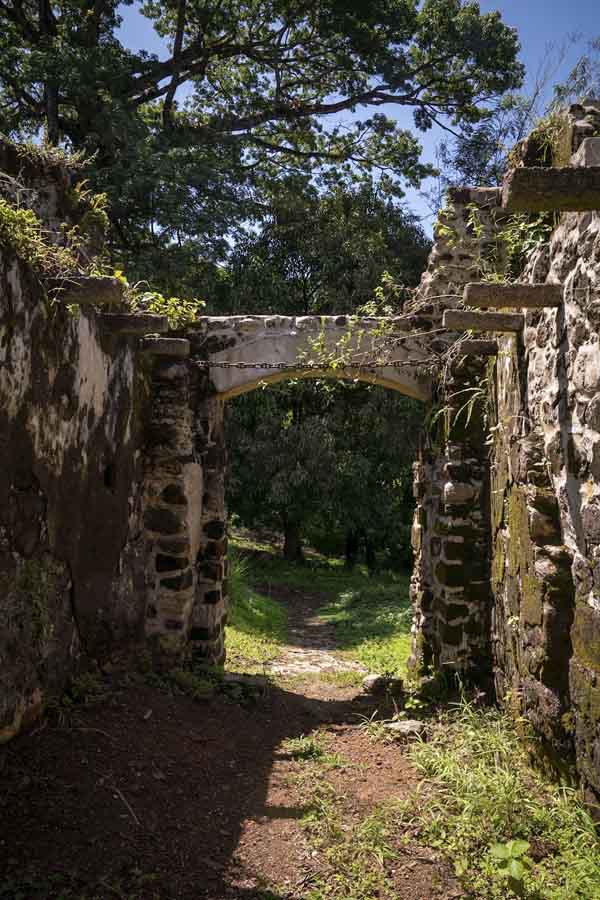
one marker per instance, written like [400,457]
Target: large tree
[326,460]
[276,85]
[324,251]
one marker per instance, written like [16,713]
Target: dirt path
[147,795]
[311,647]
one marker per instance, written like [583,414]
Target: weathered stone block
[456,494]
[170,563]
[134,323]
[174,494]
[87,290]
[540,189]
[215,529]
[465,320]
[450,575]
[534,296]
[586,636]
[179,582]
[164,521]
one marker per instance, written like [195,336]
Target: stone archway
[193,378]
[245,351]
[218,358]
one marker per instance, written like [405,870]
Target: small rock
[379,684]
[406,728]
[396,687]
[375,684]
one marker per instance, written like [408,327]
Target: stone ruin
[113,532]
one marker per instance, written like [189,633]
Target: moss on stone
[586,636]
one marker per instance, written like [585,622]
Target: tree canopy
[274,86]
[326,460]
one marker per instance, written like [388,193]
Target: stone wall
[72,405]
[450,585]
[538,524]
[546,506]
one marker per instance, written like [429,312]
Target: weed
[311,748]
[257,625]
[356,852]
[179,311]
[372,726]
[372,625]
[303,747]
[83,690]
[485,794]
[28,606]
[134,885]
[513,863]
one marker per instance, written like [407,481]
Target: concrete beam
[538,190]
[176,348]
[532,296]
[138,324]
[465,320]
[588,153]
[478,348]
[87,290]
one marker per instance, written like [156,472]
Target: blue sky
[541,24]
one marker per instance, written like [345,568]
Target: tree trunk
[351,552]
[292,542]
[370,555]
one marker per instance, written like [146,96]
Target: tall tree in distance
[275,86]
[324,460]
[323,252]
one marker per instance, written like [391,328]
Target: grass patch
[371,614]
[485,796]
[134,885]
[318,574]
[355,853]
[257,625]
[372,625]
[312,748]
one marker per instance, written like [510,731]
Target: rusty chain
[295,367]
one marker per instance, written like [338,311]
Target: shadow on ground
[147,795]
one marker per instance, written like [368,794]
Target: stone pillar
[173,504]
[210,597]
[450,587]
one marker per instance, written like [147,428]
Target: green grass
[355,852]
[371,614]
[313,747]
[372,625]
[485,793]
[257,625]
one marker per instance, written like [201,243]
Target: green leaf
[500,851]
[518,848]
[516,869]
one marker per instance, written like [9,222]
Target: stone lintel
[538,189]
[532,296]
[134,323]
[177,348]
[588,153]
[464,320]
[87,290]
[478,348]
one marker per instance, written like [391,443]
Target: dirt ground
[149,795]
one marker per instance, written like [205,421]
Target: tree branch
[177,45]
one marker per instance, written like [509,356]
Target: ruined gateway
[113,538]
